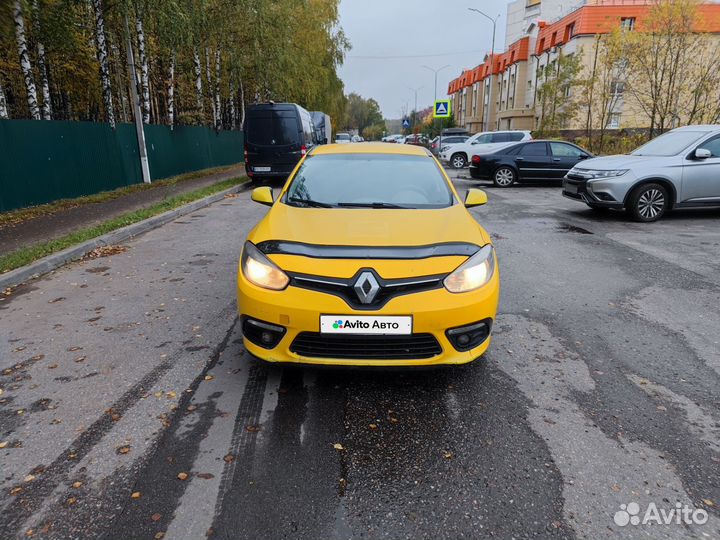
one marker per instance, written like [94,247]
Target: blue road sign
[442,108]
[406,123]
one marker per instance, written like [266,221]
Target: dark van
[277,135]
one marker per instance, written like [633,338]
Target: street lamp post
[436,71]
[415,109]
[492,62]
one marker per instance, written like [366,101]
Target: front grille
[361,347]
[344,288]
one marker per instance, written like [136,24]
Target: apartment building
[501,93]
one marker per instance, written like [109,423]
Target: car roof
[703,127]
[370,148]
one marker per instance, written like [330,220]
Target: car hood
[622,161]
[369,228]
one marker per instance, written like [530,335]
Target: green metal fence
[43,161]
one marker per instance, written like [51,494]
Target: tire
[504,177]
[648,203]
[458,161]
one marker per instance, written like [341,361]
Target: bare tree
[25,61]
[102,54]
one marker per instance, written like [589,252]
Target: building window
[569,31]
[614,121]
[553,39]
[627,23]
[542,44]
[617,88]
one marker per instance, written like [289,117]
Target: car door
[564,157]
[533,161]
[701,177]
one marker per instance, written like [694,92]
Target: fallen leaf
[29,478]
[52,366]
[393,420]
[191,407]
[155,517]
[71,500]
[708,502]
[171,394]
[447,454]
[72,455]
[209,377]
[15,490]
[77,484]
[158,394]
[29,532]
[229,458]
[338,446]
[123,450]
[373,426]
[37,357]
[3,444]
[205,475]
[80,359]
[159,536]
[73,349]
[615,488]
[18,349]
[252,428]
[135,495]
[182,476]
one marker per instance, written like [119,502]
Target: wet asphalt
[129,409]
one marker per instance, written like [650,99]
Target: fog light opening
[261,333]
[464,338]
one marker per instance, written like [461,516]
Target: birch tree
[3,104]
[25,65]
[42,65]
[102,56]
[198,80]
[171,92]
[216,105]
[144,71]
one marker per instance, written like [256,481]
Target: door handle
[556,159]
[520,159]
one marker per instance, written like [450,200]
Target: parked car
[530,161]
[679,169]
[277,135]
[393,138]
[458,155]
[417,140]
[448,132]
[343,138]
[447,140]
[323,127]
[423,293]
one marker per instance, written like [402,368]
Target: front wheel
[504,177]
[648,203]
[458,161]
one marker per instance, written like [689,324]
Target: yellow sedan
[368,257]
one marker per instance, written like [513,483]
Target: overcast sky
[434,32]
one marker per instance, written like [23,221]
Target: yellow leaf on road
[182,476]
[135,495]
[338,446]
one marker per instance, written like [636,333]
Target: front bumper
[433,312]
[577,189]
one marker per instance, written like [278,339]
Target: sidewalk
[48,227]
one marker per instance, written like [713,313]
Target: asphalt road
[601,389]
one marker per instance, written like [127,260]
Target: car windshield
[669,144]
[369,181]
[342,137]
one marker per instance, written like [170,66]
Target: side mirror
[475,197]
[584,156]
[262,195]
[703,153]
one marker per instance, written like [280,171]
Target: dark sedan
[530,161]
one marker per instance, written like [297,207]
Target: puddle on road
[567,227]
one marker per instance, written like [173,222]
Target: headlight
[473,273]
[592,174]
[260,270]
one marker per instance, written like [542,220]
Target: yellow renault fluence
[368,257]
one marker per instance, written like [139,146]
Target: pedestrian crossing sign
[442,109]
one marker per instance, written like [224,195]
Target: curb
[56,260]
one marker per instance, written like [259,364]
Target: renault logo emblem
[366,287]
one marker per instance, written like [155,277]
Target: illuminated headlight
[260,270]
[592,174]
[473,273]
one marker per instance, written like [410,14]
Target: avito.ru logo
[629,514]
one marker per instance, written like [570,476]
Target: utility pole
[492,64]
[436,71]
[415,109]
[139,127]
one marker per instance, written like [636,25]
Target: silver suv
[679,169]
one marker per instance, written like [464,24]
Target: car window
[516,136]
[713,145]
[342,137]
[483,139]
[565,150]
[499,137]
[534,149]
[669,144]
[407,181]
[272,128]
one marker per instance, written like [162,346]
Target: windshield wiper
[371,205]
[310,202]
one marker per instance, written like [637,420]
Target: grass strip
[26,255]
[12,217]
